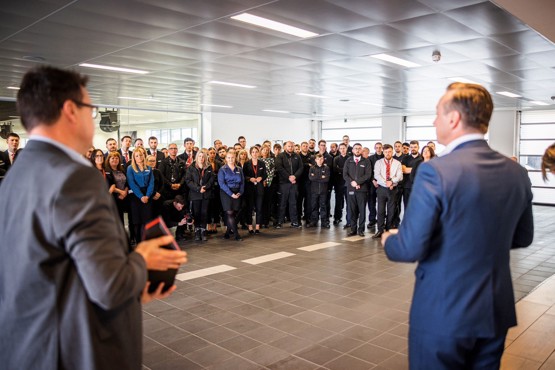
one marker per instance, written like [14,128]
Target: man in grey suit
[468,208]
[70,286]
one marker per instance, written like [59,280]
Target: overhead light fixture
[313,96]
[537,102]
[275,111]
[395,60]
[109,68]
[232,84]
[273,25]
[509,94]
[14,116]
[140,99]
[463,80]
[12,87]
[216,106]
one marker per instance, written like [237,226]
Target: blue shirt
[140,180]
[228,179]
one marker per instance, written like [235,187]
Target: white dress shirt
[395,172]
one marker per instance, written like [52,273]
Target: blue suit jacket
[466,211]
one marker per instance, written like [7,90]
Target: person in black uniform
[328,161]
[289,168]
[356,172]
[199,179]
[232,187]
[303,200]
[340,186]
[255,177]
[173,171]
[319,176]
[173,214]
[409,162]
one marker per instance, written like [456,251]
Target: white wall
[256,129]
[502,131]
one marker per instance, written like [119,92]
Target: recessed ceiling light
[273,25]
[132,98]
[12,87]
[313,96]
[275,111]
[537,102]
[509,94]
[463,80]
[216,105]
[232,84]
[109,68]
[14,116]
[395,60]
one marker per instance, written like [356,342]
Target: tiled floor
[314,299]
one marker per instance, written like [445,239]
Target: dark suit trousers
[438,352]
[386,199]
[288,197]
[357,205]
[406,196]
[318,202]
[372,202]
[339,202]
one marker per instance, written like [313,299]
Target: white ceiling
[185,44]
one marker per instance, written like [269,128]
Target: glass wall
[421,128]
[537,132]
[366,131]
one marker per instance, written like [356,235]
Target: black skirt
[141,213]
[229,203]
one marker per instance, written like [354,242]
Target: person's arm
[222,183]
[398,174]
[346,174]
[150,188]
[242,187]
[413,242]
[163,168]
[209,179]
[300,168]
[190,179]
[524,233]
[133,183]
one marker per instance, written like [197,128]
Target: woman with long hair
[215,204]
[97,160]
[157,199]
[141,183]
[427,153]
[548,161]
[200,178]
[255,176]
[269,184]
[232,186]
[117,181]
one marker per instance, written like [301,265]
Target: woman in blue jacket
[232,186]
[141,185]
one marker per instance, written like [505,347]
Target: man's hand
[292,179]
[157,294]
[144,199]
[161,259]
[156,196]
[387,234]
[354,184]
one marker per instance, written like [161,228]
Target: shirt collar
[460,140]
[70,152]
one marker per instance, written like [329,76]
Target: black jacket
[173,172]
[338,164]
[248,172]
[196,179]
[361,173]
[319,178]
[287,165]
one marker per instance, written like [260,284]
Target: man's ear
[454,119]
[69,110]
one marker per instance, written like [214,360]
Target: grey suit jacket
[69,285]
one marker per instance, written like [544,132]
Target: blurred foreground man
[70,286]
[468,208]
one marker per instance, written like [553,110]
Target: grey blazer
[69,284]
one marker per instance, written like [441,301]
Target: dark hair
[179,199]
[277,145]
[548,161]
[321,141]
[355,144]
[413,142]
[188,139]
[406,144]
[43,92]
[318,155]
[126,137]
[13,134]
[153,138]
[110,139]
[137,139]
[241,137]
[432,151]
[107,166]
[387,146]
[92,159]
[345,145]
[473,102]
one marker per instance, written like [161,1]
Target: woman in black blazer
[117,181]
[255,174]
[200,180]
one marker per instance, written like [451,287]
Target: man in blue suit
[468,208]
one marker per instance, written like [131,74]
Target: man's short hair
[398,142]
[137,139]
[318,155]
[343,144]
[473,102]
[359,144]
[277,146]
[179,199]
[43,92]
[110,139]
[241,137]
[406,144]
[12,134]
[153,138]
[126,137]
[387,146]
[414,142]
[187,140]
[322,141]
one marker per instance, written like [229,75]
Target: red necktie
[189,159]
[126,156]
[12,157]
[387,170]
[356,162]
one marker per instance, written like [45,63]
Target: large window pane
[538,131]
[543,195]
[534,147]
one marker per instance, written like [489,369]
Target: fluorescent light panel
[12,87]
[109,68]
[273,25]
[509,94]
[232,84]
[217,105]
[395,60]
[313,96]
[132,98]
[537,102]
[275,111]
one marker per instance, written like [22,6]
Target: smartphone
[155,229]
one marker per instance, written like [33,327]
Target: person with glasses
[72,286]
[116,179]
[97,160]
[172,169]
[157,199]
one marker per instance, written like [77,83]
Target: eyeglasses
[94,108]
[99,156]
[172,148]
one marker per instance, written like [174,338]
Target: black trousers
[288,197]
[255,199]
[303,200]
[406,196]
[318,202]
[200,212]
[386,200]
[372,202]
[339,202]
[398,200]
[269,195]
[357,205]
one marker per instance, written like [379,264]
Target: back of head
[473,102]
[43,92]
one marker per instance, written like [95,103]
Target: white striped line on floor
[203,272]
[315,247]
[268,257]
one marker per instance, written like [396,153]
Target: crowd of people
[261,186]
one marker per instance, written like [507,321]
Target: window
[421,129]
[366,131]
[537,132]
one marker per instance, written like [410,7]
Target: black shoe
[197,235]
[326,226]
[309,225]
[278,226]
[361,233]
[257,231]
[264,226]
[295,225]
[377,235]
[251,232]
[336,222]
[348,226]
[244,227]
[203,235]
[352,233]
[226,236]
[238,238]
[372,223]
